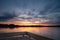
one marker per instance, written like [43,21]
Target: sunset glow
[29,29]
[26,29]
[28,23]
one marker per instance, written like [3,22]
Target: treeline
[12,26]
[8,25]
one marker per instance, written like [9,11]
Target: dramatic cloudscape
[36,11]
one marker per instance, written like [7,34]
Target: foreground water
[51,32]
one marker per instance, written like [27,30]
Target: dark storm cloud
[52,6]
[56,8]
[57,16]
[31,9]
[48,7]
[51,11]
[6,16]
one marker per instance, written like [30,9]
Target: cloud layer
[44,11]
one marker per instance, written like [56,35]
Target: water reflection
[51,32]
[28,29]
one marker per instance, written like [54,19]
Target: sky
[38,11]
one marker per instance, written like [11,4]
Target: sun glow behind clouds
[28,23]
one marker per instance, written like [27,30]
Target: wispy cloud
[6,16]
[44,11]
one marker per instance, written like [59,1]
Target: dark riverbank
[12,26]
[22,36]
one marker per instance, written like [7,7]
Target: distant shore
[12,26]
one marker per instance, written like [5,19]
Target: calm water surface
[51,32]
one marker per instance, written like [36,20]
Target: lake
[50,32]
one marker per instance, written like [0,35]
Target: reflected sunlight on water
[51,32]
[20,29]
